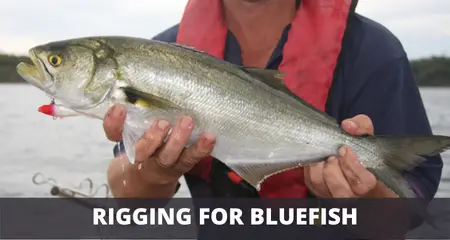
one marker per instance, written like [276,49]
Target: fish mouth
[37,74]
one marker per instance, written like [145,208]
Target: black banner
[68,218]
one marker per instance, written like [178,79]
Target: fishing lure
[57,111]
[60,111]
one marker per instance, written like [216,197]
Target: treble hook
[91,185]
[58,190]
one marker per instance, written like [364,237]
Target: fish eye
[54,60]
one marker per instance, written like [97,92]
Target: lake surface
[72,149]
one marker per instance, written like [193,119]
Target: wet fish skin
[261,127]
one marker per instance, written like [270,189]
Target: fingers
[343,176]
[314,180]
[113,122]
[327,179]
[163,163]
[358,125]
[335,179]
[173,152]
[151,141]
[358,177]
[178,139]
[191,156]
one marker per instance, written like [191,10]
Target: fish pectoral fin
[146,100]
[138,121]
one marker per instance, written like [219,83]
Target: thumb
[358,125]
[113,122]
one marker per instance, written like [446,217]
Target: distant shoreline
[433,71]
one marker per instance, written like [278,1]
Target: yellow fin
[142,103]
[146,100]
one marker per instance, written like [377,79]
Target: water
[72,149]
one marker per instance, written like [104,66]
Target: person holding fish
[240,94]
[348,65]
[345,64]
[260,99]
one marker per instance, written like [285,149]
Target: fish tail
[398,184]
[394,180]
[403,154]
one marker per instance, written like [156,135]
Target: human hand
[161,163]
[344,176]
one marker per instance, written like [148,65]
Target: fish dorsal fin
[146,100]
[274,76]
[274,79]
[186,47]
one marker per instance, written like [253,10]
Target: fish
[261,127]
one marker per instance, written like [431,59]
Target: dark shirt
[373,77]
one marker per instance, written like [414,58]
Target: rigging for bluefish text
[221,216]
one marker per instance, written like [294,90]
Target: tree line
[431,71]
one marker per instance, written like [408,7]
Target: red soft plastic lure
[57,111]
